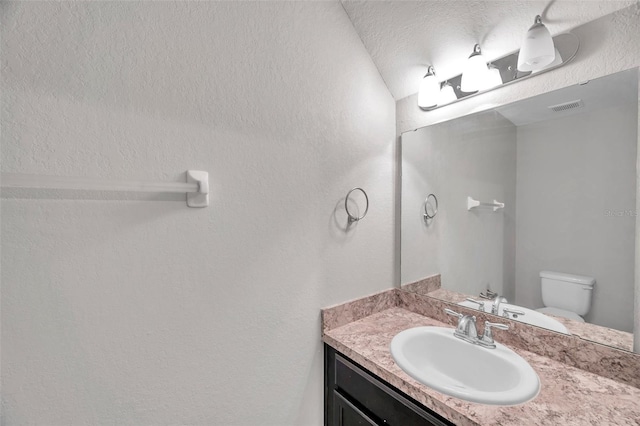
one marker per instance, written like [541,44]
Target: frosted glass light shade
[537,49]
[557,61]
[475,72]
[429,90]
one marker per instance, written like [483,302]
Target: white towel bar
[196,187]
[471,203]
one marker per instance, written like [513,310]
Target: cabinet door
[367,393]
[346,414]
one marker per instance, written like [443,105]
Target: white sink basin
[530,316]
[434,357]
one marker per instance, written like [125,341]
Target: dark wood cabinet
[354,396]
[347,414]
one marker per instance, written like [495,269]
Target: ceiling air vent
[567,106]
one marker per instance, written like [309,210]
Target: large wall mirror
[552,241]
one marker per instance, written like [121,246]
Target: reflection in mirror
[552,241]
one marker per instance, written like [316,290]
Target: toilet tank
[567,291]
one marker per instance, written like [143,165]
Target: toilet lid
[561,313]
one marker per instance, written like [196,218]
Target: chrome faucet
[495,305]
[467,330]
[487,337]
[495,298]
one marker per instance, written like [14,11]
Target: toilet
[566,295]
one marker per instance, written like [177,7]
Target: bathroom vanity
[364,386]
[355,396]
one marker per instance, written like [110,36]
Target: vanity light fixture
[493,79]
[429,90]
[475,73]
[479,77]
[557,61]
[447,94]
[537,49]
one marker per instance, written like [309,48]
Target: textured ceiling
[404,37]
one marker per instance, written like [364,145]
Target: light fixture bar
[566,44]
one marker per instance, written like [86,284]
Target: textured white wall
[146,312]
[570,172]
[473,156]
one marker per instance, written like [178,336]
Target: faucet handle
[497,325]
[487,337]
[480,303]
[453,313]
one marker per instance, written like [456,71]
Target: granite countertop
[568,395]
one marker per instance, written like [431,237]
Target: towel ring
[353,218]
[426,201]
